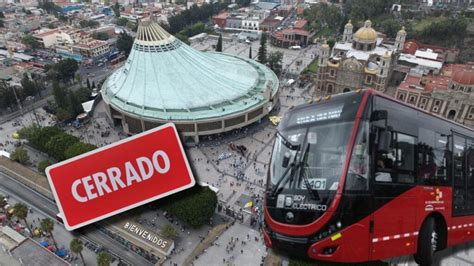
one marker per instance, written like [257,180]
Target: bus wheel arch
[441,229]
[433,232]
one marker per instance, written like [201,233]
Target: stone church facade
[358,61]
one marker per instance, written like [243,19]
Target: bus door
[463,184]
[394,199]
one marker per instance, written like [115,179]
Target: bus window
[470,178]
[405,158]
[385,162]
[398,163]
[459,175]
[442,160]
[357,177]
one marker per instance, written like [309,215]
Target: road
[48,207]
[98,72]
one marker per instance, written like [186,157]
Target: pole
[17,100]
[34,112]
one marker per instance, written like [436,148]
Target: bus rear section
[361,177]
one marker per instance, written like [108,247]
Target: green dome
[165,79]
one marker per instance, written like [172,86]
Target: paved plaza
[290,57]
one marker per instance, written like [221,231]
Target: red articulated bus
[360,176]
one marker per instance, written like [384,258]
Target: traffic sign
[120,176]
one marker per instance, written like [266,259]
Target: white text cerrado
[113,179]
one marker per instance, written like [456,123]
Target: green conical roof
[163,78]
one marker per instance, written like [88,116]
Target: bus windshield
[319,159]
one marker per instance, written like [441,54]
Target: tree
[7,96]
[124,43]
[390,27]
[182,38]
[60,95]
[64,70]
[29,87]
[445,31]
[30,41]
[131,26]
[38,137]
[89,24]
[194,206]
[57,145]
[121,22]
[219,44]
[21,212]
[324,17]
[42,166]
[168,231]
[274,61]
[331,43]
[75,106]
[104,259]
[78,149]
[49,6]
[3,202]
[63,114]
[366,9]
[83,94]
[20,155]
[262,50]
[250,52]
[47,225]
[76,246]
[67,68]
[116,9]
[103,36]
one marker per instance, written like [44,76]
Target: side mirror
[286,160]
[384,140]
[379,115]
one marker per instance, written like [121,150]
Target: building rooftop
[299,24]
[166,79]
[428,54]
[28,251]
[33,254]
[421,61]
[359,54]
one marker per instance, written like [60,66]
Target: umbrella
[16,135]
[61,253]
[18,228]
[44,244]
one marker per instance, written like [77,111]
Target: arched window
[451,115]
[330,87]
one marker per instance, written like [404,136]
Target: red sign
[120,176]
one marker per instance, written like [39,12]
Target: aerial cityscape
[318,132]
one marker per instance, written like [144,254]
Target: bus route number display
[120,176]
[315,115]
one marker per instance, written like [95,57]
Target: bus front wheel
[428,240]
